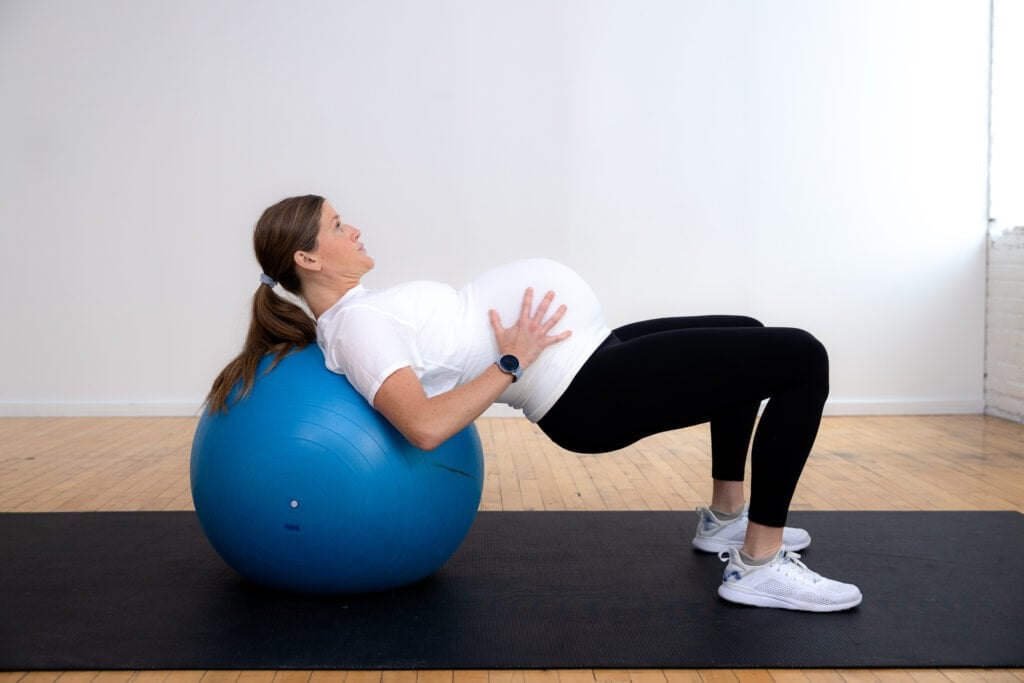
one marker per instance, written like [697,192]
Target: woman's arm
[429,422]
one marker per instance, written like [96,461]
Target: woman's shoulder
[402,301]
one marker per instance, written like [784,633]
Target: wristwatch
[510,364]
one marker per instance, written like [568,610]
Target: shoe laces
[790,565]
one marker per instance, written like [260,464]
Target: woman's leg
[730,428]
[673,373]
[670,378]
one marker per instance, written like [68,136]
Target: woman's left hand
[531,333]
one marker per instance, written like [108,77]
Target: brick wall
[1004,346]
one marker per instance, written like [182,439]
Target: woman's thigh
[657,381]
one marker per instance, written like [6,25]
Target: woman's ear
[307,261]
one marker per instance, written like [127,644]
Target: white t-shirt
[445,334]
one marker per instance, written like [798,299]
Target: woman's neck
[320,297]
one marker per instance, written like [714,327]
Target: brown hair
[277,326]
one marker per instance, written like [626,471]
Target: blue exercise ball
[303,486]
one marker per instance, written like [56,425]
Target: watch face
[508,363]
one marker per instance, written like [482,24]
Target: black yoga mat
[525,590]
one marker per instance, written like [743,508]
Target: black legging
[670,373]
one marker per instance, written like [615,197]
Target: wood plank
[963,462]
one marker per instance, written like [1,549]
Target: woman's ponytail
[277,326]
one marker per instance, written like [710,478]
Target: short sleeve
[368,346]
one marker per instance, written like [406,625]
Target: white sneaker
[715,536]
[785,582]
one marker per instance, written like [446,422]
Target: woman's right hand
[527,338]
[429,422]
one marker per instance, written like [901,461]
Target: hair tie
[267,280]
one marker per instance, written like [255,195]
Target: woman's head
[285,228]
[277,326]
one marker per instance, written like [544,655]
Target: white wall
[808,163]
[1004,335]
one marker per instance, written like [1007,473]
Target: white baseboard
[966,406]
[100,409]
[963,406]
[852,407]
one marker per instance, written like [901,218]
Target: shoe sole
[716,546]
[731,594]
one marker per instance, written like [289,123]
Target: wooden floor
[859,463]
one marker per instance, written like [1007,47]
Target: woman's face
[339,250]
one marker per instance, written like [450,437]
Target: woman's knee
[814,358]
